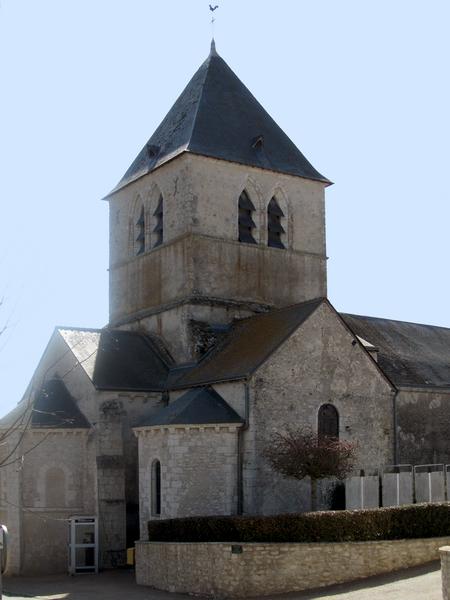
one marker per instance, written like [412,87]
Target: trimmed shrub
[404,522]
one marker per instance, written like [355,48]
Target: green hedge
[411,521]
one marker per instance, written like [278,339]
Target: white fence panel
[362,491]
[397,485]
[429,483]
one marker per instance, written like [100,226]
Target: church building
[220,333]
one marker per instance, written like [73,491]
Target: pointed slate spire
[217,116]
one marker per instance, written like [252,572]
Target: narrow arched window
[159,226]
[275,230]
[246,223]
[156,487]
[140,233]
[328,421]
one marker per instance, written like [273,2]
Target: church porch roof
[200,406]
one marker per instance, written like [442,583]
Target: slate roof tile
[410,354]
[54,408]
[218,117]
[119,360]
[248,344]
[200,406]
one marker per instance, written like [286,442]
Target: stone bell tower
[219,216]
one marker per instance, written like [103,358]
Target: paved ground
[419,583]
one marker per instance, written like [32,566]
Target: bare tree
[299,453]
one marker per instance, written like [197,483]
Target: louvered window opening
[156,487]
[140,229]
[246,223]
[159,227]
[274,227]
[328,421]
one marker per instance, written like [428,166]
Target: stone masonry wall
[198,471]
[201,196]
[320,363]
[201,257]
[444,552]
[173,325]
[57,483]
[423,426]
[226,570]
[110,462]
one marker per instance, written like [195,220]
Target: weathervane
[213,20]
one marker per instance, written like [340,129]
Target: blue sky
[361,87]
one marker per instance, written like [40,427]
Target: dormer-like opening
[371,349]
[258,142]
[159,219]
[246,222]
[275,231]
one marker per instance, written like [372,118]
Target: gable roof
[410,354]
[52,407]
[200,406]
[217,116]
[55,408]
[248,344]
[119,360]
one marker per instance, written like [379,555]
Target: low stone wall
[260,569]
[445,571]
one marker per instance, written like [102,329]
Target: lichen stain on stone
[435,403]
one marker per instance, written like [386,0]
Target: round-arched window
[328,421]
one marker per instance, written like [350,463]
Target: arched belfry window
[328,421]
[140,233]
[275,229]
[159,226]
[246,222]
[156,488]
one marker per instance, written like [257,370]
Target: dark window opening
[159,229]
[156,487]
[246,223]
[140,230]
[328,421]
[274,227]
[132,523]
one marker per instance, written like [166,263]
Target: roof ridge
[70,328]
[279,309]
[155,346]
[394,321]
[206,63]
